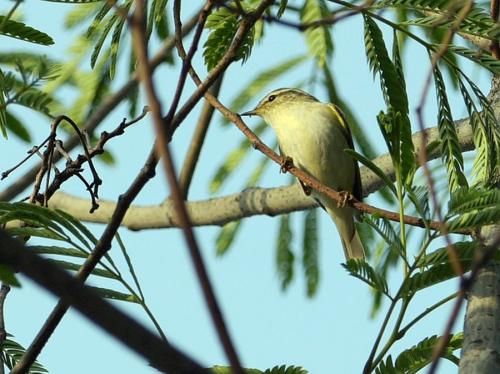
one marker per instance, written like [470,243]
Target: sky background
[332,332]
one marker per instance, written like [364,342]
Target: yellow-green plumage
[314,135]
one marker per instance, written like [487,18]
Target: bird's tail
[344,220]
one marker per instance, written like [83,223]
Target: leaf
[387,232]
[379,61]
[12,352]
[466,252]
[432,275]
[76,267]
[115,295]
[374,168]
[420,355]
[8,276]
[56,250]
[284,369]
[19,30]
[217,369]
[362,270]
[451,152]
[223,25]
[310,260]
[282,8]
[318,38]
[226,236]
[479,57]
[284,255]
[115,46]
[474,208]
[16,127]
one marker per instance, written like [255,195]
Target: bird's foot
[344,198]
[286,164]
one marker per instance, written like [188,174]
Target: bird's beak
[252,112]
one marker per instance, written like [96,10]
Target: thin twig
[140,46]
[193,152]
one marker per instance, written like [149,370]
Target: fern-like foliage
[12,352]
[19,30]
[223,26]
[58,226]
[420,355]
[318,38]
[310,251]
[451,152]
[284,255]
[469,209]
[362,270]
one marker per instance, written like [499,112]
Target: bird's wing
[346,131]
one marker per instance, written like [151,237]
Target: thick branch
[254,201]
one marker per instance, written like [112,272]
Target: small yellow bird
[314,135]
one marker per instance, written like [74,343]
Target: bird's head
[282,99]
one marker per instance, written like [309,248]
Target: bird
[313,136]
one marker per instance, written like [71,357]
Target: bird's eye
[272,97]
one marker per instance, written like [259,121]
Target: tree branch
[159,353]
[99,114]
[253,201]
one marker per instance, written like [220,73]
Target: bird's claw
[286,164]
[344,198]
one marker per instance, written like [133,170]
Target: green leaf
[284,255]
[56,250]
[420,355]
[76,267]
[310,260]
[390,234]
[362,270]
[226,236]
[379,61]
[12,352]
[8,276]
[229,370]
[223,25]
[115,46]
[318,38]
[282,8]
[465,252]
[474,208]
[432,275]
[19,30]
[450,146]
[16,127]
[374,168]
[115,295]
[479,57]
[284,369]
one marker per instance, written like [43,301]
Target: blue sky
[332,332]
